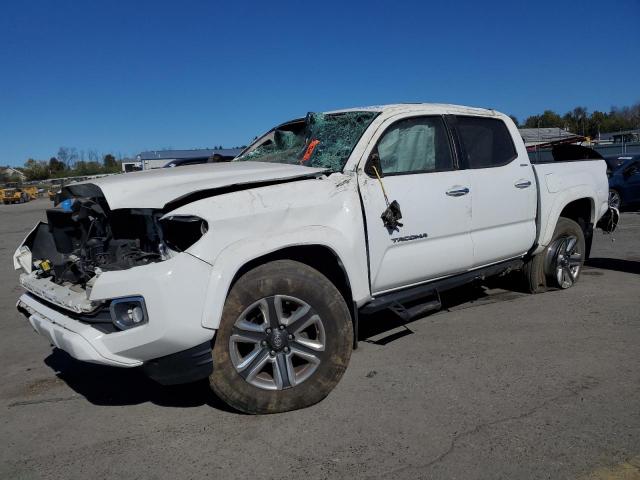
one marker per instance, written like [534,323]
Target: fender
[249,224]
[555,204]
[236,255]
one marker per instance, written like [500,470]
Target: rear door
[504,201]
[419,172]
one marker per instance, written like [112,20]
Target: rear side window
[486,142]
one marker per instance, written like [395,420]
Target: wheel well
[319,257]
[322,259]
[580,211]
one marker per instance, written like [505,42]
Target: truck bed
[558,181]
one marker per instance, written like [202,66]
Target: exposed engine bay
[86,238]
[83,237]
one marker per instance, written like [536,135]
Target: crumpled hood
[156,188]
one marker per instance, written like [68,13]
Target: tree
[55,165]
[67,155]
[596,123]
[92,155]
[515,120]
[36,170]
[549,118]
[579,121]
[110,164]
[83,167]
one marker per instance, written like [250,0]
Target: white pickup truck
[253,273]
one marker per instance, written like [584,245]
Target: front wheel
[284,341]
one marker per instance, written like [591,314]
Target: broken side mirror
[391,217]
[373,164]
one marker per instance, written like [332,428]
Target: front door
[418,171]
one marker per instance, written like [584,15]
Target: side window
[486,142]
[415,145]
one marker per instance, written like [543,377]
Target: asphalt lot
[499,385]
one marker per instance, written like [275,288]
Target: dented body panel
[324,212]
[158,187]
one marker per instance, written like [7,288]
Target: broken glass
[321,141]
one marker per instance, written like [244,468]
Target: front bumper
[174,293]
[79,340]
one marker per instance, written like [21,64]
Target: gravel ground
[498,385]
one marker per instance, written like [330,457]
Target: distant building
[625,136]
[537,138]
[13,173]
[160,158]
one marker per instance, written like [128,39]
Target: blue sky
[126,76]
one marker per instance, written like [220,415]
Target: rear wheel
[284,341]
[565,254]
[560,264]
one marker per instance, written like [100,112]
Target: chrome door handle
[458,192]
[523,184]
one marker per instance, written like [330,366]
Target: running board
[397,301]
[408,313]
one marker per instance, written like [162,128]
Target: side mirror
[373,164]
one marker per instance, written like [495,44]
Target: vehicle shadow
[112,386]
[104,385]
[372,328]
[616,264]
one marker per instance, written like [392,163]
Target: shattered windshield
[320,140]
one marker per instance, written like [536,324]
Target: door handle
[458,191]
[523,184]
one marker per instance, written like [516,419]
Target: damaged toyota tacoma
[253,273]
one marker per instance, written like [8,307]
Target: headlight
[128,312]
[181,231]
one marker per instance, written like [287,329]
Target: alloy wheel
[614,199]
[277,342]
[566,260]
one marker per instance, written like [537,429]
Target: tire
[615,199]
[247,360]
[565,254]
[534,278]
[543,271]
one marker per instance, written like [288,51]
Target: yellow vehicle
[32,192]
[18,195]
